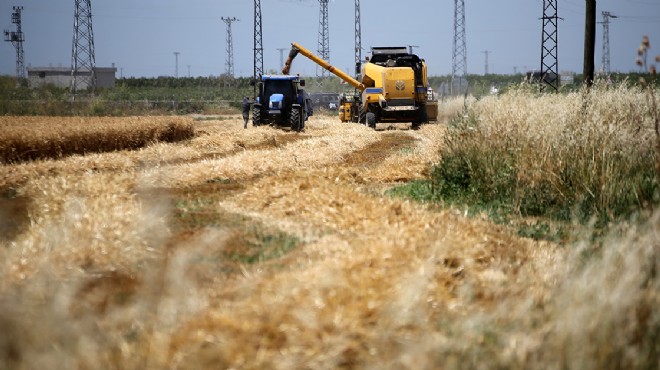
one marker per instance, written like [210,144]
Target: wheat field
[262,248]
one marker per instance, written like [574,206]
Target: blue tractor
[281,100]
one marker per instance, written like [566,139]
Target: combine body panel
[393,88]
[282,101]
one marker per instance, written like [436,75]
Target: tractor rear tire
[295,121]
[371,119]
[256,117]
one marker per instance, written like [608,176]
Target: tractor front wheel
[294,120]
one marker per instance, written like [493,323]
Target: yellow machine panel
[399,83]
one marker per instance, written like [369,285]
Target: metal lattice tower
[486,52]
[324,37]
[83,63]
[459,51]
[606,41]
[281,50]
[229,63]
[176,64]
[358,41]
[549,46]
[17,38]
[258,46]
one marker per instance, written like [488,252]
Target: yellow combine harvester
[394,87]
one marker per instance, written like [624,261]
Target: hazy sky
[141,36]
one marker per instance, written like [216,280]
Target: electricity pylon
[459,51]
[549,46]
[229,63]
[324,37]
[17,38]
[606,41]
[83,75]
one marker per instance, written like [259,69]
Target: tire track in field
[373,271]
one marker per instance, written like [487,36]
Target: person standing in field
[246,111]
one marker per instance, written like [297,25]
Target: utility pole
[549,46]
[358,41]
[324,37]
[281,50]
[188,70]
[606,41]
[17,38]
[229,64]
[459,51]
[83,75]
[589,42]
[176,64]
[486,52]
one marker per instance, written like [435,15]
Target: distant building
[567,77]
[61,76]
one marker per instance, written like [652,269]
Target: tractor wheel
[256,117]
[371,119]
[295,121]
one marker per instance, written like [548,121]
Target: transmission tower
[486,52]
[459,51]
[324,37]
[176,64]
[549,46]
[358,41]
[281,50]
[258,46]
[83,63]
[606,41]
[17,38]
[229,64]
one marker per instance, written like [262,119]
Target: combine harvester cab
[282,101]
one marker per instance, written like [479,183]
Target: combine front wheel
[371,119]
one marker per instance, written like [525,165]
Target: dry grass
[101,275]
[30,138]
[592,151]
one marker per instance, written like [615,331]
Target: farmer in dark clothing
[246,111]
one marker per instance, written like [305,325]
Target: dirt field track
[258,249]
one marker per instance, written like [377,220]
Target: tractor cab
[281,100]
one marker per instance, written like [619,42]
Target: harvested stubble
[378,283]
[30,138]
[214,140]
